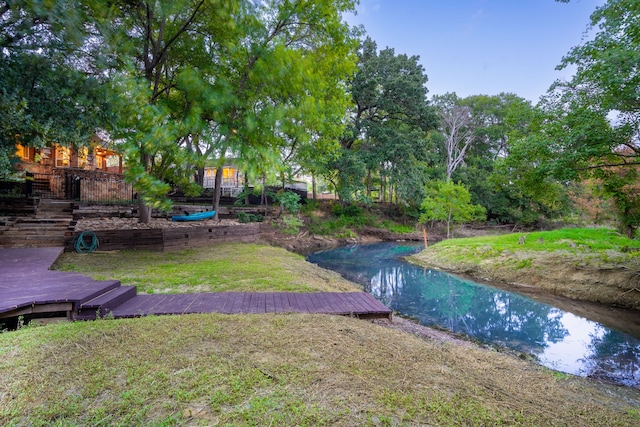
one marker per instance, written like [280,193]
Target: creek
[559,339]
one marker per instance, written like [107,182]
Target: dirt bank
[572,276]
[305,243]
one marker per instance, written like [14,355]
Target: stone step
[57,229]
[12,237]
[42,220]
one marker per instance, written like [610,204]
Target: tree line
[287,87]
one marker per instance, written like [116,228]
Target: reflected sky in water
[560,340]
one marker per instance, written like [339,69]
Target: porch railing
[83,186]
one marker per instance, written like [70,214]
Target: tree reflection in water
[487,314]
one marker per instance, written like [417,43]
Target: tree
[44,97]
[451,203]
[216,77]
[456,124]
[594,119]
[530,176]
[501,124]
[387,125]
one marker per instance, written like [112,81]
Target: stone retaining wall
[161,239]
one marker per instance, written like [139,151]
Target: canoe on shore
[194,216]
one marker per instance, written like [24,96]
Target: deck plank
[25,280]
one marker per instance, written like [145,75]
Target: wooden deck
[358,304]
[28,288]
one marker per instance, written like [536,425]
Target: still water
[560,340]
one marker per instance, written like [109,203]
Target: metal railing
[83,186]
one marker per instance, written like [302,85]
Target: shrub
[246,217]
[289,201]
[290,224]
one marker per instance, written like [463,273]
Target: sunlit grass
[569,239]
[590,264]
[595,245]
[225,267]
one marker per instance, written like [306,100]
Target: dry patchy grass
[281,370]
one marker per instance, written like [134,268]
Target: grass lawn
[597,242]
[588,264]
[273,369]
[227,267]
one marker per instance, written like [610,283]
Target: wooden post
[426,241]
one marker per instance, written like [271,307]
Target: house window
[21,151]
[113,161]
[62,157]
[83,156]
[25,153]
[228,173]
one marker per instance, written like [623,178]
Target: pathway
[28,288]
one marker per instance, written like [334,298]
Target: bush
[289,201]
[351,210]
[290,224]
[245,217]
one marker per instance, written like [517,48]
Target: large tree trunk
[217,191]
[200,176]
[313,187]
[144,211]
[263,195]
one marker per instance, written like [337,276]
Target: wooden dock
[358,304]
[28,288]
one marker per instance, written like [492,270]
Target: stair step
[42,220]
[106,302]
[34,227]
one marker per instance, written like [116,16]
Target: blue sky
[474,47]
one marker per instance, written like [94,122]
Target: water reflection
[560,340]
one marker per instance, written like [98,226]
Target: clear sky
[475,47]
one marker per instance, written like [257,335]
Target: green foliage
[500,171]
[246,192]
[351,210]
[450,203]
[45,101]
[591,128]
[385,140]
[309,207]
[189,80]
[397,228]
[343,220]
[245,217]
[290,224]
[289,201]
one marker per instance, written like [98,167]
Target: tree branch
[608,165]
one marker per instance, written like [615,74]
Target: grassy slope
[597,265]
[274,369]
[597,241]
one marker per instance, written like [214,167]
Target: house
[90,173]
[44,160]
[232,179]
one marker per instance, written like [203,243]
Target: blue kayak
[194,216]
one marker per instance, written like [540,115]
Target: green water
[558,339]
